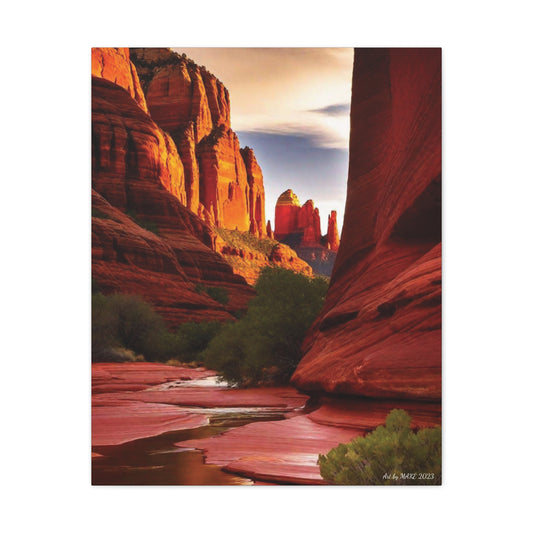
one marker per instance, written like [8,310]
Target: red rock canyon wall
[379,333]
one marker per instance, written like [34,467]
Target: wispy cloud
[334,109]
[283,90]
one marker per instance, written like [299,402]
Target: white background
[45,220]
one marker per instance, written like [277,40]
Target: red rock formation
[287,213]
[248,259]
[379,333]
[299,227]
[333,232]
[256,193]
[309,222]
[286,257]
[223,185]
[300,222]
[114,64]
[134,167]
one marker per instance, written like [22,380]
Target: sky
[292,106]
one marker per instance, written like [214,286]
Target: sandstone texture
[248,255]
[137,177]
[155,398]
[333,232]
[298,226]
[379,333]
[286,451]
[223,184]
[114,64]
[117,419]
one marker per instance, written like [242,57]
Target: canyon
[159,197]
[177,203]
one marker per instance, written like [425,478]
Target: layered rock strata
[135,165]
[379,333]
[114,64]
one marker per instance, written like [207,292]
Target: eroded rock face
[256,193]
[379,333]
[114,64]
[299,227]
[224,185]
[333,232]
[224,182]
[137,176]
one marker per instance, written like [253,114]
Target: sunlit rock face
[333,232]
[114,64]
[137,177]
[379,333]
[223,184]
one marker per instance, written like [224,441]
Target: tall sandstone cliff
[379,333]
[138,177]
[223,184]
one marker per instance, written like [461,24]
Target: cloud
[334,109]
[279,89]
[298,162]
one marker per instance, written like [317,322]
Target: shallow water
[156,461]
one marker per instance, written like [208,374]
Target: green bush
[127,321]
[391,455]
[265,345]
[192,338]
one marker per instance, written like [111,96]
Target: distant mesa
[299,227]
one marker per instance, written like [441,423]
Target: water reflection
[156,461]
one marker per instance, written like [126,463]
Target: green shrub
[391,455]
[219,294]
[192,338]
[127,321]
[265,345]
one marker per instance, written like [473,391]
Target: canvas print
[266,266]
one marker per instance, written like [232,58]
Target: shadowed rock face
[223,184]
[379,333]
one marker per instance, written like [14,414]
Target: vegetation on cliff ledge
[392,454]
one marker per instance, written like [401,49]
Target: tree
[265,345]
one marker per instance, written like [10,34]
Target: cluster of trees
[392,454]
[264,346]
